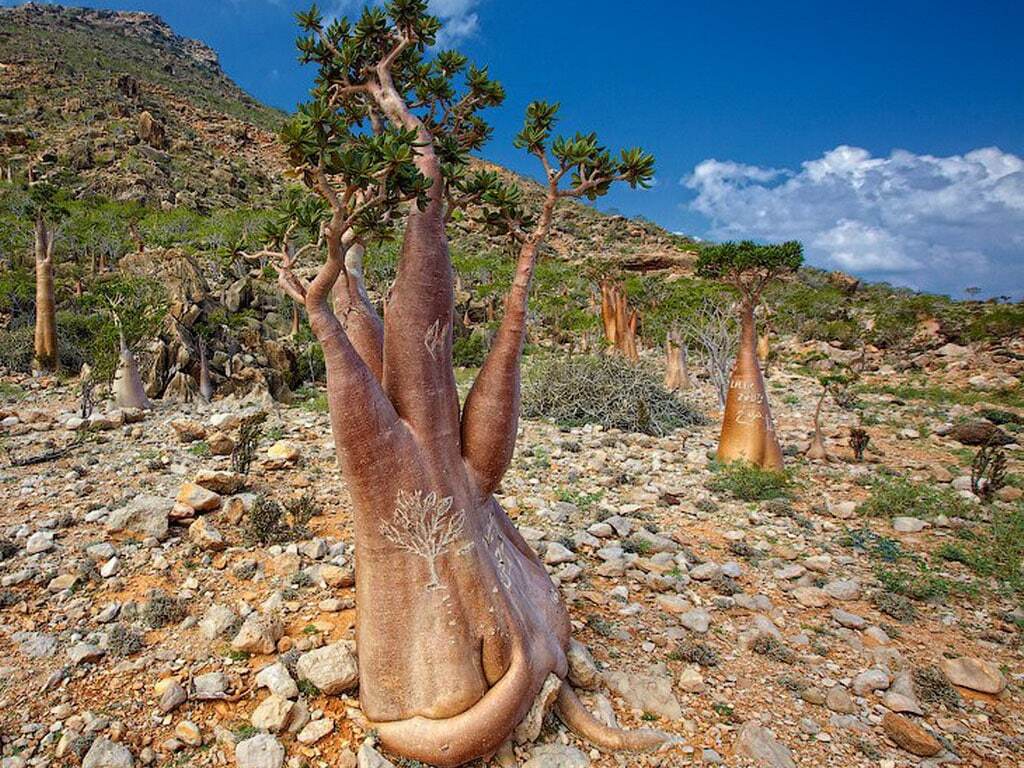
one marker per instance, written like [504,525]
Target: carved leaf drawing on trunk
[425,526]
[435,337]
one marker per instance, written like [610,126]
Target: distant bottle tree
[748,432]
[45,358]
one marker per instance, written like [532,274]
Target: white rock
[278,681]
[261,751]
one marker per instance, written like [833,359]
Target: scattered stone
[908,525]
[810,597]
[697,620]
[848,620]
[39,542]
[529,727]
[219,621]
[202,533]
[259,633]
[272,714]
[691,680]
[650,692]
[839,700]
[760,744]
[556,554]
[583,671]
[843,589]
[278,681]
[210,686]
[871,680]
[974,674]
[901,697]
[910,736]
[220,481]
[171,694]
[332,669]
[189,733]
[105,753]
[315,730]
[369,757]
[260,751]
[556,756]
[198,498]
[143,516]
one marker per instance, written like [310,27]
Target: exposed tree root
[41,458]
[447,742]
[588,727]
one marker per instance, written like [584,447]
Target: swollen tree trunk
[45,358]
[677,371]
[619,320]
[205,384]
[128,389]
[354,309]
[748,432]
[461,626]
[817,449]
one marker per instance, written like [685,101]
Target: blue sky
[887,136]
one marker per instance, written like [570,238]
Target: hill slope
[116,104]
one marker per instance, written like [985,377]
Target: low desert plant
[898,497]
[161,609]
[859,439]
[988,471]
[244,451]
[749,483]
[603,390]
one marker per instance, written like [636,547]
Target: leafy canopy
[591,169]
[382,102]
[747,265]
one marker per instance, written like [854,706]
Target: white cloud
[935,223]
[459,17]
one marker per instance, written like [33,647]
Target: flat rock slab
[759,743]
[974,674]
[910,736]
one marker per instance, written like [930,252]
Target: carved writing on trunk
[497,541]
[426,526]
[749,417]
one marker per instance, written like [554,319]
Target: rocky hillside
[116,104]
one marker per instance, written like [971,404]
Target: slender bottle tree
[45,357]
[748,432]
[677,367]
[460,626]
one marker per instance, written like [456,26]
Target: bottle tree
[748,432]
[839,386]
[460,627]
[127,388]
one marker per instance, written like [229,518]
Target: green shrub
[161,609]
[16,348]
[573,391]
[469,351]
[18,293]
[898,497]
[933,687]
[123,641]
[994,550]
[271,522]
[747,482]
